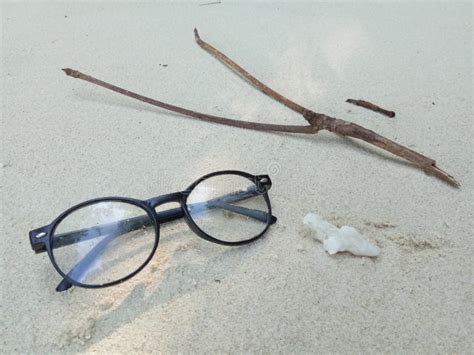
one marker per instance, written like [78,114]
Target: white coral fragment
[342,239]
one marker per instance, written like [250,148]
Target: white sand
[64,141]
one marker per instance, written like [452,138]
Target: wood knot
[315,119]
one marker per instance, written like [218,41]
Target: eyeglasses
[105,241]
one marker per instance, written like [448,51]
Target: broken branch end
[196,36]
[71,72]
[433,169]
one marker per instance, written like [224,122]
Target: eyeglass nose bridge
[160,200]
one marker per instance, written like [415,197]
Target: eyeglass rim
[138,203]
[198,231]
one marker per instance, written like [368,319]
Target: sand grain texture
[64,141]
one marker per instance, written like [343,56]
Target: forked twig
[320,121]
[317,121]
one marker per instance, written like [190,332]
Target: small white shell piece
[342,239]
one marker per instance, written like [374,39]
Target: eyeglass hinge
[37,240]
[263,182]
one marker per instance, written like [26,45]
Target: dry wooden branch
[320,121]
[370,106]
[317,121]
[247,76]
[200,116]
[210,3]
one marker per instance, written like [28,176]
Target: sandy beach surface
[65,141]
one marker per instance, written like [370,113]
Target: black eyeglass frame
[41,238]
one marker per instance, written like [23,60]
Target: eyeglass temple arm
[118,228]
[85,234]
[81,267]
[135,223]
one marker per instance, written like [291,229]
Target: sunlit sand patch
[344,45]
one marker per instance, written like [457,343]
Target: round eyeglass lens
[229,208]
[103,242]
